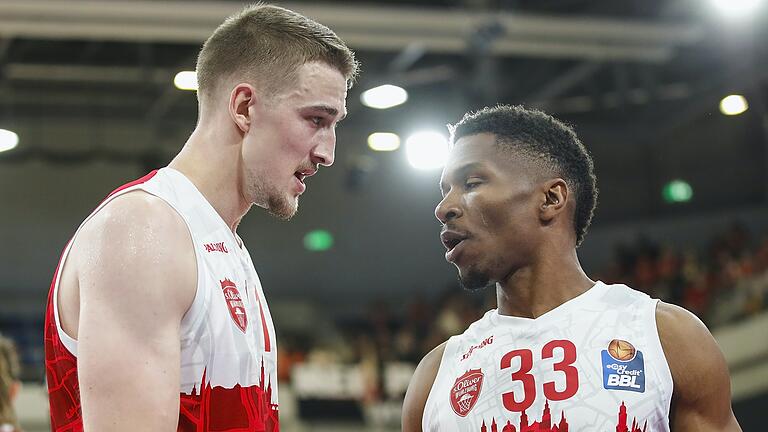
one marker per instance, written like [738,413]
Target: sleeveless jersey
[228,351]
[595,363]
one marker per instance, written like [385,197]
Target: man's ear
[555,196]
[242,97]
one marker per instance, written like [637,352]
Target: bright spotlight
[733,105]
[185,80]
[427,150]
[384,96]
[383,141]
[8,140]
[737,8]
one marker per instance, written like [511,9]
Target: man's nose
[447,209]
[324,153]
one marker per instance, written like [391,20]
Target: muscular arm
[701,400]
[137,276]
[418,389]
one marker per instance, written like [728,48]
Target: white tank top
[594,363]
[228,347]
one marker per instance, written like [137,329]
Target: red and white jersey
[228,351]
[595,363]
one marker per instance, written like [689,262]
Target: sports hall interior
[669,96]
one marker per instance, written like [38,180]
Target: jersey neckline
[180,175]
[596,289]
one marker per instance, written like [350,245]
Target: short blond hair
[266,44]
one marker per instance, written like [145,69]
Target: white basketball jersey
[228,348]
[595,363]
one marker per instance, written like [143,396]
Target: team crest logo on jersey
[623,367]
[465,391]
[235,304]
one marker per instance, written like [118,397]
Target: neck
[551,280]
[211,160]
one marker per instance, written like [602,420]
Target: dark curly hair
[546,141]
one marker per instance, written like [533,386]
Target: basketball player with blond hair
[156,317]
[561,352]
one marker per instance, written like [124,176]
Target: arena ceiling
[639,79]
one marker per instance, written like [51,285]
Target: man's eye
[316,120]
[471,184]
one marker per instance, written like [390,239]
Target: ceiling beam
[88,73]
[560,85]
[364,27]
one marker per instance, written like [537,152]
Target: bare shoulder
[702,388]
[419,388]
[131,224]
[133,211]
[687,342]
[139,238]
[427,369]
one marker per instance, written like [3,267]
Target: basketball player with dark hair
[156,317]
[561,352]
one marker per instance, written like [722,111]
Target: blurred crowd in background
[723,283]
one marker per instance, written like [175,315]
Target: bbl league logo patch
[623,367]
[465,391]
[235,304]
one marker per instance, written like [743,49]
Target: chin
[474,279]
[283,207]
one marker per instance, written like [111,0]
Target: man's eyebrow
[468,167]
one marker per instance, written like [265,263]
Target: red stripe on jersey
[139,181]
[237,409]
[267,343]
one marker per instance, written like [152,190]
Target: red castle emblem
[465,391]
[235,304]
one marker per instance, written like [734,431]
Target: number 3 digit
[571,373]
[529,385]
